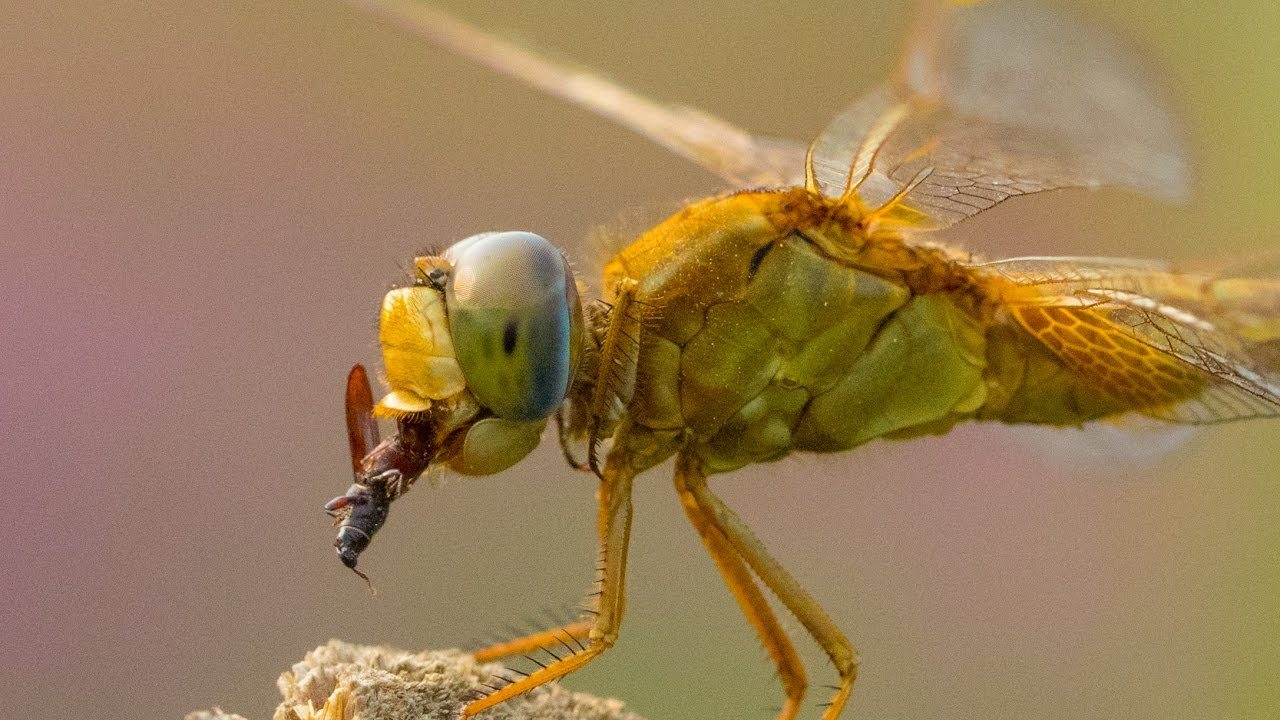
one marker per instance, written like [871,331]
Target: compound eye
[516,322]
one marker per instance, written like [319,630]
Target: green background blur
[201,204]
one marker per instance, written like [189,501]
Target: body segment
[761,339]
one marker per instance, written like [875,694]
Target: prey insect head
[360,513]
[362,510]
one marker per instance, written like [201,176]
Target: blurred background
[202,203]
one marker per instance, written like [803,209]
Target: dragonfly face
[812,313]
[478,352]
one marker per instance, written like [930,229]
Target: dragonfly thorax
[760,341]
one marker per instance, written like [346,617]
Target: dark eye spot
[509,334]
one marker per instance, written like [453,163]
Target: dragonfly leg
[573,632]
[736,575]
[614,520]
[773,575]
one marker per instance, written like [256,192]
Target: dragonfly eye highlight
[516,322]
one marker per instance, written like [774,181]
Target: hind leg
[691,479]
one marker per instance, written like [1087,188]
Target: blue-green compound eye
[516,322]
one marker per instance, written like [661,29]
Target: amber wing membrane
[1180,347]
[998,99]
[719,146]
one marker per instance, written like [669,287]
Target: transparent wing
[1180,347]
[722,148]
[1125,445]
[998,99]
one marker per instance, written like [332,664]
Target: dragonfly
[810,308]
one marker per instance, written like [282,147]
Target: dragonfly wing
[992,100]
[1126,444]
[1185,348]
[718,146]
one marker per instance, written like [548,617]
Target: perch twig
[342,681]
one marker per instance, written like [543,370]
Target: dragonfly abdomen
[1030,384]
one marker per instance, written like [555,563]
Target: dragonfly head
[490,332]
[479,351]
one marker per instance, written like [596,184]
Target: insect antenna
[373,591]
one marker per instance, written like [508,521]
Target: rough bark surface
[341,681]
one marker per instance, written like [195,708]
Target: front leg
[614,520]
